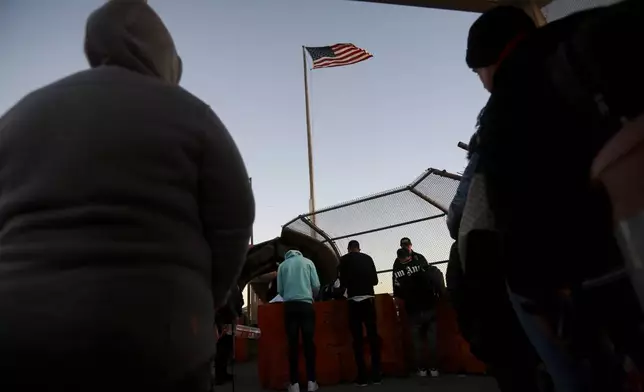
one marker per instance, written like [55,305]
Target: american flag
[337,55]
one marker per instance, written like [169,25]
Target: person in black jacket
[358,275]
[126,213]
[415,282]
[546,114]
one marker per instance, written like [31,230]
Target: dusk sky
[376,125]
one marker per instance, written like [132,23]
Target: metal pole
[252,229]
[309,137]
[249,303]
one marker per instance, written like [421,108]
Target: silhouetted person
[420,286]
[358,275]
[126,213]
[227,316]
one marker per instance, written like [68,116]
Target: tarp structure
[379,221]
[264,258]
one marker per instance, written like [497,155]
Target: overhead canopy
[461,5]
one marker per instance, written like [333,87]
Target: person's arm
[373,274]
[315,280]
[280,282]
[455,212]
[226,204]
[395,283]
[342,274]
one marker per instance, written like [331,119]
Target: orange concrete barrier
[334,352]
[273,349]
[241,349]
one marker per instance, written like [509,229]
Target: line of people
[417,283]
[531,230]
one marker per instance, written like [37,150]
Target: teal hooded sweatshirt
[297,278]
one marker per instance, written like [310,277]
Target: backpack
[436,280]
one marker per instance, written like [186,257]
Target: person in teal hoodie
[298,284]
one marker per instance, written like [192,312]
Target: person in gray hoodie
[125,216]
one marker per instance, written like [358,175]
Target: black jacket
[416,283]
[357,274]
[535,151]
[125,211]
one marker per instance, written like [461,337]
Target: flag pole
[309,138]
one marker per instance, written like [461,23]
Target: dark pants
[223,356]
[300,317]
[423,330]
[364,312]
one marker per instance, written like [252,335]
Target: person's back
[358,274]
[120,231]
[297,279]
[298,284]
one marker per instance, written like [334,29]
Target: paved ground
[246,381]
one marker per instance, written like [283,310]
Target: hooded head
[129,34]
[292,253]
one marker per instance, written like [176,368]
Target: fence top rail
[413,184]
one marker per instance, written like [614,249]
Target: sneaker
[294,388]
[422,373]
[312,386]
[434,372]
[361,383]
[377,380]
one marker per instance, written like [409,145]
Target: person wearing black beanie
[492,37]
[531,125]
[487,318]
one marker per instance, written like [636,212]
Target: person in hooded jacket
[126,213]
[298,284]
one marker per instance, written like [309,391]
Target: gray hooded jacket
[125,215]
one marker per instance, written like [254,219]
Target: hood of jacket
[129,34]
[292,253]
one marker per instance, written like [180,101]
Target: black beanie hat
[492,32]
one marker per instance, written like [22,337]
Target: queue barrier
[243,334]
[334,353]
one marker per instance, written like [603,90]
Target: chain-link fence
[379,221]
